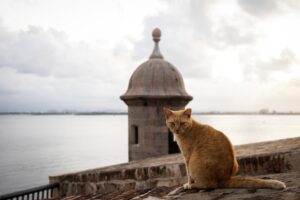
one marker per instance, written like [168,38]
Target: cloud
[263,69]
[180,40]
[222,54]
[49,53]
[267,8]
[40,69]
[197,33]
[34,51]
[226,95]
[41,52]
[222,51]
[227,34]
[259,8]
[30,92]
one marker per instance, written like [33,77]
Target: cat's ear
[188,112]
[167,112]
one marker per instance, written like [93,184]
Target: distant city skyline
[234,56]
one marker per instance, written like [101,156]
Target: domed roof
[156,78]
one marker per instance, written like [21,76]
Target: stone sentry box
[154,84]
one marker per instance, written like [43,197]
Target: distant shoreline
[63,113]
[125,113]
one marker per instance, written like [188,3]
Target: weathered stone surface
[292,192]
[292,181]
[168,171]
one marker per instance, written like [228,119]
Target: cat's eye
[182,123]
[171,124]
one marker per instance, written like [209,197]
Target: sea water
[32,147]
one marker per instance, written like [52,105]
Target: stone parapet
[292,192]
[254,159]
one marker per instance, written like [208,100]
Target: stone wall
[254,159]
[146,115]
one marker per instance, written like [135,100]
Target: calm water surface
[34,147]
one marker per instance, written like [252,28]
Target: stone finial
[156,33]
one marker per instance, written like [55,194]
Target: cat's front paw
[187,186]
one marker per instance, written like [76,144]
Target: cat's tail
[252,182]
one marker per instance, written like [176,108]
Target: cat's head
[178,121]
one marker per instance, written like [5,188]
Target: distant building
[154,84]
[264,111]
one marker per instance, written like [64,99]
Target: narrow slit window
[135,134]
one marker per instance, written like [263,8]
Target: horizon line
[125,113]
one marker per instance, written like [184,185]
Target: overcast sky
[234,55]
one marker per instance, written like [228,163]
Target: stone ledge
[292,192]
[254,159]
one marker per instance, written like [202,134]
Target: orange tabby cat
[209,155]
